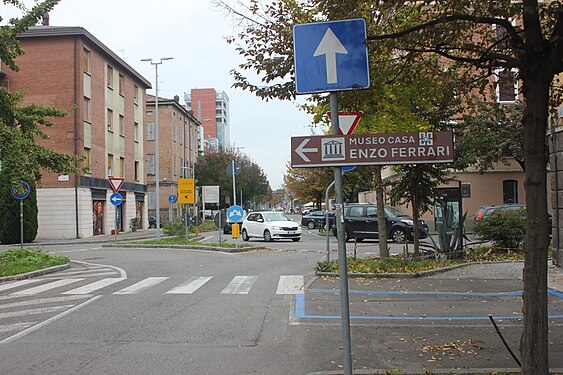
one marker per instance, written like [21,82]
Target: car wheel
[296,239]
[347,236]
[244,235]
[268,236]
[398,235]
[311,225]
[225,230]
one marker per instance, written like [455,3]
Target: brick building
[69,68]
[178,137]
[211,108]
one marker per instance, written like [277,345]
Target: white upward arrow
[330,46]
[301,150]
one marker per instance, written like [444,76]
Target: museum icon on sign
[333,149]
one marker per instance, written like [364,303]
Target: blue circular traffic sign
[172,198]
[234,213]
[22,192]
[347,168]
[116,199]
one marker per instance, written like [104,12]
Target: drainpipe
[556,183]
[75,140]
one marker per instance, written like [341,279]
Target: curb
[28,275]
[411,275]
[472,371]
[188,247]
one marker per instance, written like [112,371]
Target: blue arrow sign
[172,198]
[116,199]
[330,56]
[234,213]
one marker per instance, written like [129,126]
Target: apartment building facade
[178,133]
[69,68]
[211,108]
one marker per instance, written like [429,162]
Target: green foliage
[177,228]
[505,228]
[10,214]
[210,171]
[394,264]
[18,261]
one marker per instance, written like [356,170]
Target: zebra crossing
[28,305]
[240,284]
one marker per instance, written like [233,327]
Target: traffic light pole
[342,262]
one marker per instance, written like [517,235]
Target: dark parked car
[312,219]
[360,221]
[152,222]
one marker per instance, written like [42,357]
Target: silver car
[270,226]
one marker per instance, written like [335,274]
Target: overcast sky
[193,32]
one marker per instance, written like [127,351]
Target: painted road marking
[142,285]
[45,287]
[300,308]
[16,284]
[39,301]
[92,287]
[44,310]
[190,286]
[290,284]
[240,285]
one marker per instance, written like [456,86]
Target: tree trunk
[381,223]
[533,343]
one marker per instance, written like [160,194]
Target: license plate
[291,232]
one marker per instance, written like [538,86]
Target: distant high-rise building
[211,108]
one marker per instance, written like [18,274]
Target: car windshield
[275,216]
[395,212]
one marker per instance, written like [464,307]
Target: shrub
[177,228]
[10,214]
[504,228]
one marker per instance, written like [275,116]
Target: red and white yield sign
[347,121]
[115,183]
[372,149]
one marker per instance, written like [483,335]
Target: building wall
[51,72]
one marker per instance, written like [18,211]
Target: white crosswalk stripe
[45,287]
[290,284]
[15,327]
[43,310]
[92,287]
[142,285]
[287,285]
[240,285]
[17,284]
[190,286]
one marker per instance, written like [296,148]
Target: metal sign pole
[115,222]
[21,223]
[342,262]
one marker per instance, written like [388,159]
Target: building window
[122,125]
[174,132]
[86,61]
[109,77]
[86,162]
[87,116]
[506,86]
[135,93]
[136,132]
[150,131]
[510,191]
[136,170]
[181,132]
[121,167]
[175,165]
[150,164]
[110,120]
[121,85]
[110,165]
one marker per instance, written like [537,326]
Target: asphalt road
[172,311]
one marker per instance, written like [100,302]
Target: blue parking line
[301,314]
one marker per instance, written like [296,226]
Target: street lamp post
[157,172]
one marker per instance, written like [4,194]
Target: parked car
[485,211]
[270,226]
[227,226]
[360,221]
[152,222]
[314,219]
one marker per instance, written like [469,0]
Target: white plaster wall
[57,215]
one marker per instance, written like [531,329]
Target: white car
[270,226]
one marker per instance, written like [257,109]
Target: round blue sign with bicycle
[22,192]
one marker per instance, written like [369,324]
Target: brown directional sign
[372,149]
